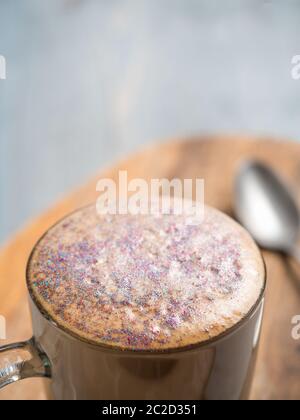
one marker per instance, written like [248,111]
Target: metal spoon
[266,207]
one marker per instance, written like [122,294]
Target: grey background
[88,81]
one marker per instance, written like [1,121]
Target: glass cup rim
[117,349]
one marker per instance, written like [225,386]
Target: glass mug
[220,368]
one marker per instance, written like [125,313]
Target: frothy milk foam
[146,282]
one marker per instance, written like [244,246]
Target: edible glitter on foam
[142,277]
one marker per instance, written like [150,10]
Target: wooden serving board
[215,159]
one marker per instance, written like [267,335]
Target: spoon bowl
[266,207]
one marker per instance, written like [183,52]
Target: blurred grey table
[90,80]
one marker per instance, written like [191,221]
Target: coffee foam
[146,282]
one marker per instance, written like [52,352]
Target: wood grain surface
[215,159]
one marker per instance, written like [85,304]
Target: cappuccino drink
[146,290]
[146,282]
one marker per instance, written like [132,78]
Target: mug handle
[22,360]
